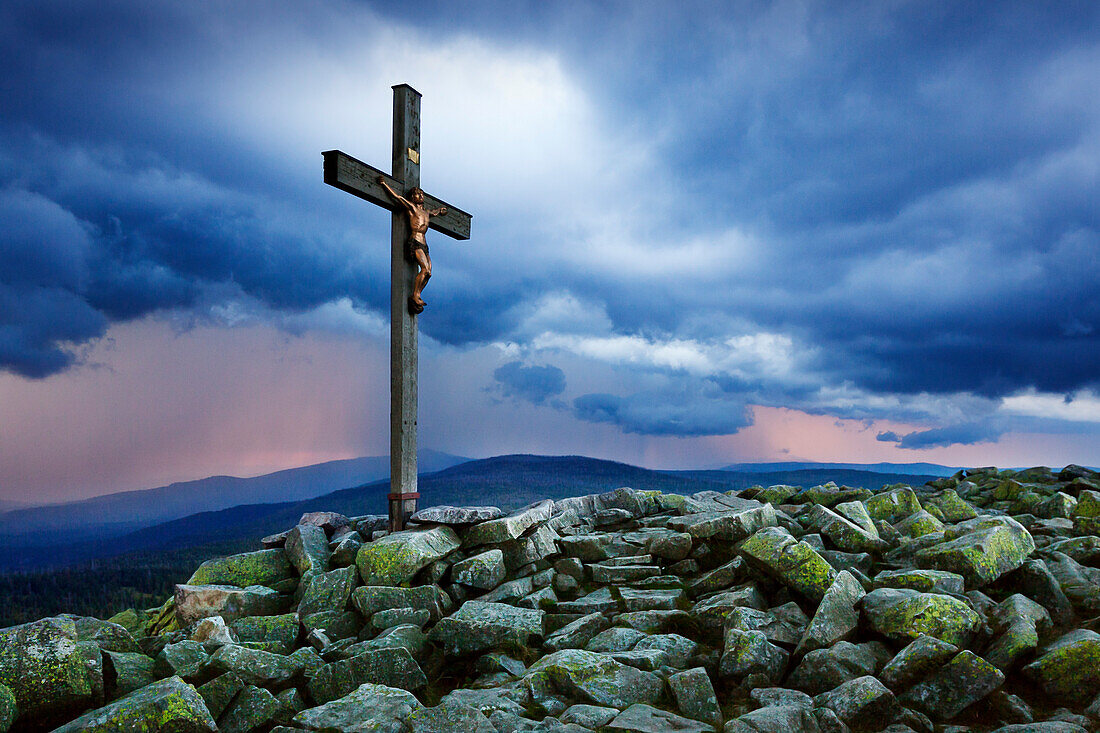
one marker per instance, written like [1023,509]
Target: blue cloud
[888,436]
[535,384]
[676,413]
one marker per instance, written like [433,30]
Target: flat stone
[588,716]
[368,709]
[449,716]
[254,666]
[456,515]
[266,567]
[333,523]
[168,705]
[795,564]
[612,574]
[845,534]
[925,581]
[652,600]
[642,718]
[281,630]
[595,678]
[615,639]
[836,617]
[599,600]
[478,626]
[194,602]
[732,526]
[958,684]
[711,612]
[401,616]
[370,599]
[576,634]
[485,571]
[396,558]
[393,667]
[903,615]
[508,527]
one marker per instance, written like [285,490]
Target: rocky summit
[968,604]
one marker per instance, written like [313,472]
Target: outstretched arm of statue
[438,212]
[397,197]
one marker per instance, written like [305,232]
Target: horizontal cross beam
[359,179]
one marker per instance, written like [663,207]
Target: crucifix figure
[414,212]
[416,249]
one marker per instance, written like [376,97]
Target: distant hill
[505,481]
[103,517]
[923,469]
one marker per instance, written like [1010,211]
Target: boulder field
[968,604]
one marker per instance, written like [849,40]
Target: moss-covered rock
[960,683]
[904,614]
[254,709]
[170,706]
[127,671]
[926,581]
[8,709]
[1069,669]
[369,707]
[265,567]
[194,602]
[981,550]
[892,505]
[919,524]
[478,627]
[391,666]
[45,670]
[253,666]
[484,570]
[219,692]
[396,558]
[593,678]
[794,563]
[282,630]
[328,591]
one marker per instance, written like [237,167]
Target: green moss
[265,567]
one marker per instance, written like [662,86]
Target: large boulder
[370,599]
[369,708]
[43,667]
[903,615]
[1069,669]
[981,549]
[328,591]
[509,527]
[255,666]
[393,667]
[456,515]
[731,526]
[478,627]
[863,703]
[266,567]
[594,678]
[642,718]
[169,706]
[955,686]
[396,558]
[795,564]
[485,570]
[194,602]
[836,617]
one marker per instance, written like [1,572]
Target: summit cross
[408,251]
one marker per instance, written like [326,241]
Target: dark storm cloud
[536,384]
[918,182]
[887,436]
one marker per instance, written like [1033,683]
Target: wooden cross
[362,180]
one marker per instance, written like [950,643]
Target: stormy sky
[850,231]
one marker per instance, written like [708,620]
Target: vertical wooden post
[403,332]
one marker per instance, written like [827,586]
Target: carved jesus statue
[416,248]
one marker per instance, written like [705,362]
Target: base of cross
[402,506]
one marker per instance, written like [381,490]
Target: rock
[125,672]
[599,600]
[194,602]
[8,709]
[615,639]
[485,571]
[721,577]
[108,636]
[836,617]
[950,506]
[1069,669]
[456,515]
[919,524]
[219,692]
[770,696]
[824,669]
[328,591]
[370,599]
[307,548]
[478,626]
[250,711]
[588,716]
[281,631]
[393,667]
[960,683]
[509,527]
[925,581]
[729,526]
[44,670]
[447,717]
[923,656]
[863,703]
[795,564]
[401,616]
[170,705]
[345,549]
[903,615]
[212,630]
[254,666]
[678,649]
[893,505]
[749,654]
[642,718]
[332,522]
[775,719]
[845,534]
[396,558]
[673,546]
[651,600]
[266,567]
[594,678]
[1046,727]
[695,696]
[368,709]
[981,549]
[576,634]
[183,659]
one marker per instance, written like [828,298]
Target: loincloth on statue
[411,245]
